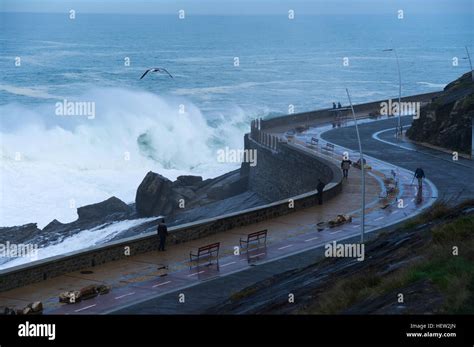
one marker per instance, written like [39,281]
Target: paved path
[453,179]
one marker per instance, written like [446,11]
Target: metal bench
[209,251]
[329,147]
[255,237]
[313,142]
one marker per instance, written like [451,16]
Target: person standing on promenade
[345,166]
[162,231]
[419,175]
[320,189]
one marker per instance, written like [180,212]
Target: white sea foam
[81,240]
[84,160]
[432,85]
[38,92]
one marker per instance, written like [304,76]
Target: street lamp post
[362,165]
[399,127]
[470,63]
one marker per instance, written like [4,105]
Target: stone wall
[287,171]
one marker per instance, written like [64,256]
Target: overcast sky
[249,7]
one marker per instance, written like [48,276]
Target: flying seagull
[156,69]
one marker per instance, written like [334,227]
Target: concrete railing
[263,138]
[328,114]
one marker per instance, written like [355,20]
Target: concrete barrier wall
[287,171]
[309,117]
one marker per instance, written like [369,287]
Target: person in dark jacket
[162,231]
[320,188]
[345,166]
[419,175]
[339,105]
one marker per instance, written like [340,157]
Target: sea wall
[287,171]
[328,114]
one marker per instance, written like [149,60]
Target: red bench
[209,251]
[255,237]
[329,147]
[313,142]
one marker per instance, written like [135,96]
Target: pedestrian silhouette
[320,189]
[162,231]
[419,175]
[345,166]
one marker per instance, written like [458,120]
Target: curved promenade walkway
[452,178]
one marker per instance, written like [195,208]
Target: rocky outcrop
[90,216]
[107,207]
[54,224]
[187,180]
[447,121]
[19,234]
[157,195]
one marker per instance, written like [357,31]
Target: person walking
[419,175]
[345,166]
[162,231]
[320,189]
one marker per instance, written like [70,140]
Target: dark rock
[230,188]
[88,292]
[105,208]
[53,225]
[187,180]
[155,196]
[185,192]
[4,310]
[19,234]
[36,306]
[447,121]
